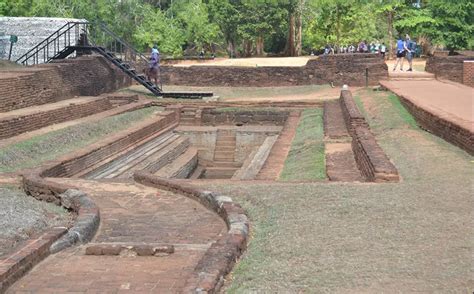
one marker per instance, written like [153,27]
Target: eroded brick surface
[130,213]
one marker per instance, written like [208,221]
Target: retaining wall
[468,73]
[449,131]
[448,67]
[52,82]
[219,259]
[339,69]
[13,125]
[86,158]
[371,159]
[213,117]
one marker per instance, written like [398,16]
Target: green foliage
[241,25]
[157,28]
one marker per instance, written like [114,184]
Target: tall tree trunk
[291,35]
[390,34]
[247,48]
[338,26]
[231,48]
[259,45]
[299,33]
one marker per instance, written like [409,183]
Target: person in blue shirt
[401,45]
[410,52]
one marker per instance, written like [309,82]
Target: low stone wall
[219,259]
[37,248]
[371,159]
[52,82]
[13,125]
[88,157]
[338,69]
[215,117]
[447,67]
[449,131]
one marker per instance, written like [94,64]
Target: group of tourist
[362,47]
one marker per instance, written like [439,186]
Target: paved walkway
[451,101]
[130,213]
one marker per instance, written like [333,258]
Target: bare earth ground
[237,94]
[22,215]
[413,236]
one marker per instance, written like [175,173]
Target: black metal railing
[46,50]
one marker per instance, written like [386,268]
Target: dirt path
[130,213]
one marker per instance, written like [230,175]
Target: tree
[226,15]
[157,28]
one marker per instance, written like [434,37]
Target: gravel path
[22,215]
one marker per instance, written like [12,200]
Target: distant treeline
[260,27]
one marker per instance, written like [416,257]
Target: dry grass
[413,236]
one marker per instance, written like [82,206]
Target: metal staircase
[83,38]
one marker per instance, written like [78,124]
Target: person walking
[383,49]
[401,45]
[410,49]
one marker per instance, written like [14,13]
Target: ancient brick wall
[95,153]
[371,159]
[468,73]
[449,131]
[447,67]
[214,117]
[339,69]
[47,83]
[13,125]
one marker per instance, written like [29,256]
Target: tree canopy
[259,27]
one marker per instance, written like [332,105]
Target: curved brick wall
[339,69]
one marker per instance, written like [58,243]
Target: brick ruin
[337,69]
[455,68]
[186,141]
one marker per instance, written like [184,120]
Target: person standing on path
[410,49]
[383,49]
[401,45]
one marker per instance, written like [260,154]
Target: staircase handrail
[47,40]
[120,40]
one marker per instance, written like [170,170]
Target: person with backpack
[401,45]
[410,49]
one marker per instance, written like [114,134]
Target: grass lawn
[306,159]
[412,236]
[32,152]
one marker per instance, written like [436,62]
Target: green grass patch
[402,111]
[306,159]
[38,149]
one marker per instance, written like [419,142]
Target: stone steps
[225,146]
[219,172]
[148,156]
[181,167]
